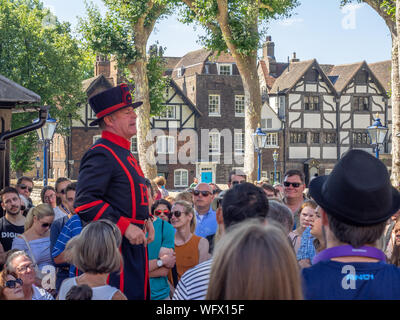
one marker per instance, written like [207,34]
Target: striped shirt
[71,228]
[193,284]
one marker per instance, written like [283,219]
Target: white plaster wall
[293,98]
[311,87]
[292,117]
[344,135]
[329,99]
[343,118]
[315,152]
[343,101]
[312,120]
[361,121]
[329,152]
[331,117]
[361,89]
[343,150]
[268,113]
[377,101]
[297,153]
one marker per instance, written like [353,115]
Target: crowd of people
[116,235]
[207,241]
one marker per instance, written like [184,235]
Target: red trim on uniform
[88,205]
[118,140]
[129,178]
[100,213]
[123,224]
[110,109]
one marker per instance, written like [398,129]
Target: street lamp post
[275,156]
[259,140]
[377,133]
[45,135]
[37,163]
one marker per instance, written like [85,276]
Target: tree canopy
[40,53]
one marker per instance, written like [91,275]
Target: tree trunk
[395,97]
[247,66]
[138,70]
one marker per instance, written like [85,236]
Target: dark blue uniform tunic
[111,186]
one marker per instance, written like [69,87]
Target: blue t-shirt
[72,228]
[206,224]
[333,280]
[164,237]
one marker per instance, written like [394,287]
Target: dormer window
[225,69]
[181,71]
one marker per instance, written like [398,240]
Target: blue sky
[318,29]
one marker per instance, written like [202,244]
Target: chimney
[269,48]
[294,59]
[102,66]
[269,55]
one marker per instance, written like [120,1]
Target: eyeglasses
[204,193]
[47,198]
[294,184]
[23,187]
[25,268]
[158,212]
[175,213]
[13,283]
[237,182]
[46,225]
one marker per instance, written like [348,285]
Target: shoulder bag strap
[29,248]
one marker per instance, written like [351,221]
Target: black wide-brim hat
[358,190]
[111,100]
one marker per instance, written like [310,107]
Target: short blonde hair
[95,249]
[188,209]
[185,195]
[254,262]
[160,181]
[40,211]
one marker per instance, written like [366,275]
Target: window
[239,105]
[168,113]
[266,123]
[213,143]
[330,137]
[213,105]
[134,148]
[298,137]
[96,137]
[181,178]
[225,69]
[311,103]
[272,139]
[360,104]
[360,138]
[165,145]
[314,137]
[239,142]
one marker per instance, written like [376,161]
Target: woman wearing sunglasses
[10,287]
[35,241]
[190,249]
[161,251]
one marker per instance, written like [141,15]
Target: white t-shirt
[99,293]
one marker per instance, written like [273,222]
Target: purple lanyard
[347,250]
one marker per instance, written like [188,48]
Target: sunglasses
[13,283]
[237,182]
[204,193]
[46,225]
[175,213]
[294,184]
[23,187]
[158,212]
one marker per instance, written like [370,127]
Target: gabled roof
[13,93]
[382,71]
[345,74]
[291,75]
[270,79]
[193,62]
[184,98]
[170,62]
[89,84]
[223,57]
